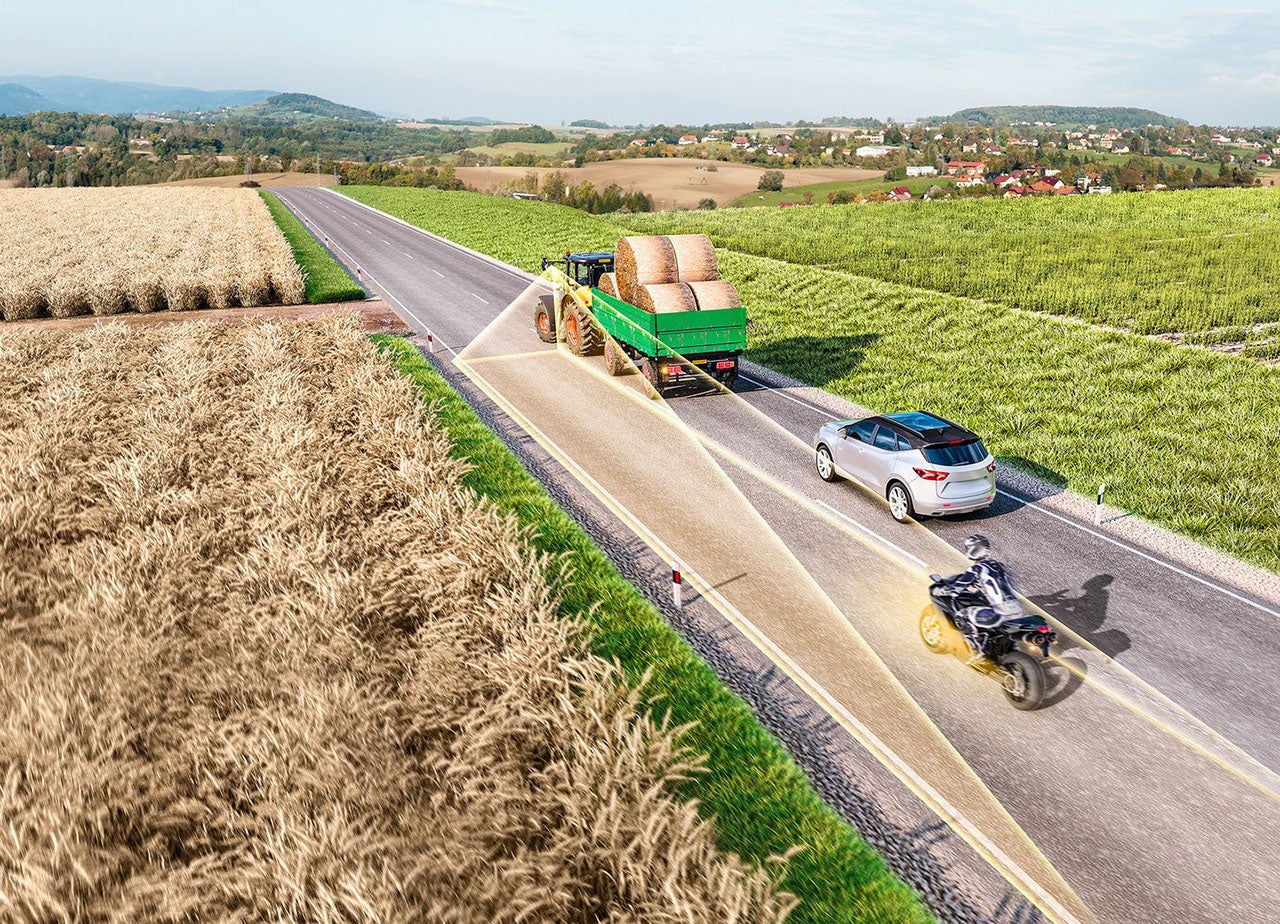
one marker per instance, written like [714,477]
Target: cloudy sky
[664,60]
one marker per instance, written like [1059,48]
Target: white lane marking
[388,293]
[438,273]
[387,242]
[367,231]
[870,532]
[475,254]
[1141,554]
[407,254]
[1033,505]
[473,295]
[792,398]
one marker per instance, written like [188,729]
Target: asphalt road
[1112,780]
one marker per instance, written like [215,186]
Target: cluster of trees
[437,177]
[49,148]
[534,134]
[553,187]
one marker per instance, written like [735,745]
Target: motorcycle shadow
[1064,674]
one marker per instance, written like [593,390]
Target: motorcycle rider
[986,578]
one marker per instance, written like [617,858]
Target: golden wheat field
[66,252]
[265,658]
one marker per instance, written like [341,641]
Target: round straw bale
[715,293]
[608,284]
[695,257]
[643,261]
[665,299]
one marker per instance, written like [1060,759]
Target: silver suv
[920,463]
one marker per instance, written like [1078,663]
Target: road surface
[1145,783]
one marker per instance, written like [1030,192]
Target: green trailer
[669,349]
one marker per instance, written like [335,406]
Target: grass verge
[327,281]
[760,799]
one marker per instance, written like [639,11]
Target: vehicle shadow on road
[1085,614]
[1063,678]
[816,360]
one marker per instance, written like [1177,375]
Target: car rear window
[963,454]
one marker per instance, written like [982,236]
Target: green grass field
[917,185]
[1052,395]
[1162,262]
[327,281]
[760,799]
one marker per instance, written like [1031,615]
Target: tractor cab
[583,268]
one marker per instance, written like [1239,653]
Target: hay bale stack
[715,293]
[665,299]
[643,261]
[609,284]
[695,257]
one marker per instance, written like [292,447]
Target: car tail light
[929,474]
[991,467]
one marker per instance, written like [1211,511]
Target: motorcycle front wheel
[938,635]
[1022,679]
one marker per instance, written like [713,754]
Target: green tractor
[670,349]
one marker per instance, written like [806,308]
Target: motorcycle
[1004,647]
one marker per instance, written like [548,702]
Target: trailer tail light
[929,474]
[725,364]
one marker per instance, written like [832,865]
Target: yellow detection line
[881,546]
[1014,873]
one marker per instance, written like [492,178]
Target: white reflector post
[1097,511]
[676,585]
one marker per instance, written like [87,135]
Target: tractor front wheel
[543,324]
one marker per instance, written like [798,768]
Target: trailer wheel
[614,359]
[543,323]
[580,331]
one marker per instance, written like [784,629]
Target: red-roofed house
[688,139]
[900,194]
[1065,191]
[739,141]
[965,167]
[1263,160]
[1042,187]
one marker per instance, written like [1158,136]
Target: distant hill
[19,100]
[303,107]
[87,94]
[1116,116]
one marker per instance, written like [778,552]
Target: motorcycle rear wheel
[1022,679]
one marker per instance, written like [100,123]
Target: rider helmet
[977,547]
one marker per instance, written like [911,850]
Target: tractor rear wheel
[580,330]
[614,359]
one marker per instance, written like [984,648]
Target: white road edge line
[1027,502]
[384,289]
[438,273]
[477,297]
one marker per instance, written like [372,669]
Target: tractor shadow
[816,360]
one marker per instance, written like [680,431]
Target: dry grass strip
[67,252]
[265,658]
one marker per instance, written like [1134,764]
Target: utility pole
[317,166]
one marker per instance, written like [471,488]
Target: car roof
[924,429]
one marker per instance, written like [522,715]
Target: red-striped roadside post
[676,586]
[1097,511]
[431,341]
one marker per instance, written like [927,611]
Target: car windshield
[963,454]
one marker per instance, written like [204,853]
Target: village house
[687,139]
[1264,160]
[922,171]
[739,141]
[900,194]
[967,168]
[876,150]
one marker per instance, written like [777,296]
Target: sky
[666,61]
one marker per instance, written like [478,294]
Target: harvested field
[673,182]
[69,252]
[266,658]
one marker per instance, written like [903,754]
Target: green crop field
[1162,262]
[1065,400]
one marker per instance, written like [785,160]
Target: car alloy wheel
[826,468]
[899,503]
